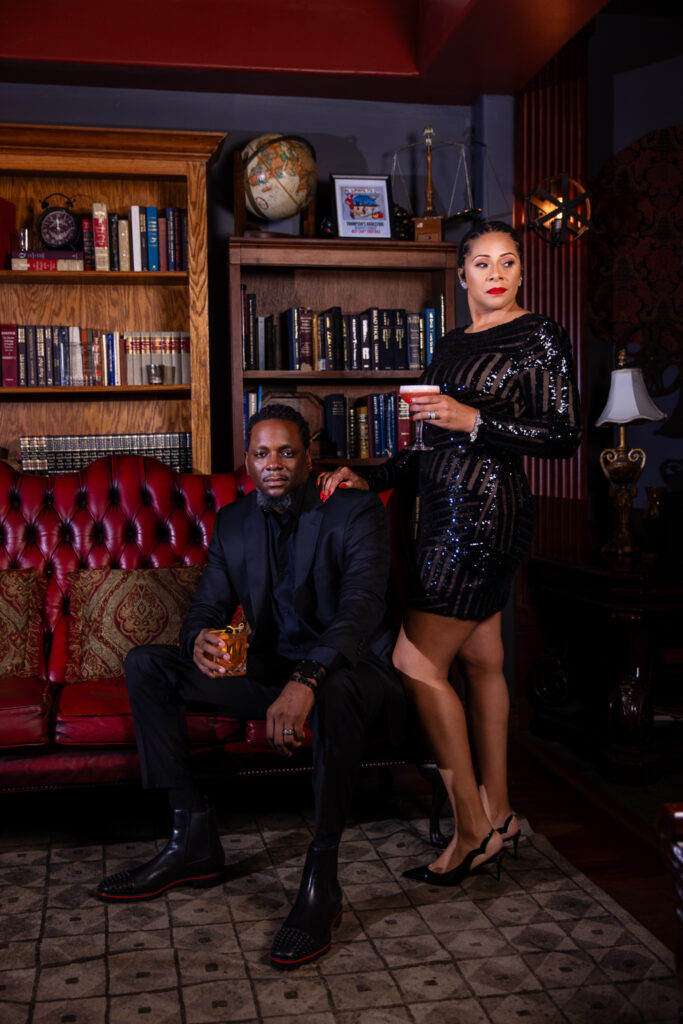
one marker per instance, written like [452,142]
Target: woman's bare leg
[424,652]
[488,704]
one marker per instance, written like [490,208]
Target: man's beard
[268,504]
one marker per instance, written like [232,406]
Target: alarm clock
[57,226]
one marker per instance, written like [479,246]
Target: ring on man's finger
[432,414]
[287,732]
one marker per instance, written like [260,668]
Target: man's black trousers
[349,705]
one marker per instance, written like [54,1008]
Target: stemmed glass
[409,391]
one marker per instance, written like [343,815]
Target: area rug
[542,945]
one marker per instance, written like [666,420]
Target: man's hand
[289,711]
[207,647]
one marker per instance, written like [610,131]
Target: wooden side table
[610,676]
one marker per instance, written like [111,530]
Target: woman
[507,389]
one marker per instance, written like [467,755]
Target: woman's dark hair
[281,412]
[486,227]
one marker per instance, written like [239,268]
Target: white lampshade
[628,399]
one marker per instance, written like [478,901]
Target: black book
[31,356]
[387,353]
[114,263]
[400,340]
[374,337]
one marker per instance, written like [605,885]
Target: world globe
[279,175]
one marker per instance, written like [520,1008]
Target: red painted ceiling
[438,51]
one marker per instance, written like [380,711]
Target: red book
[8,227]
[404,429]
[8,343]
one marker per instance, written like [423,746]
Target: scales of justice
[429,227]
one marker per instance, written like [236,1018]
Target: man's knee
[146,663]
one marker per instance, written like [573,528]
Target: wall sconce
[558,209]
[628,402]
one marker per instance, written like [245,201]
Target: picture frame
[362,205]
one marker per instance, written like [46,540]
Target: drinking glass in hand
[409,391]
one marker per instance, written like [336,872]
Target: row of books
[70,452]
[147,238]
[377,425]
[38,355]
[376,339]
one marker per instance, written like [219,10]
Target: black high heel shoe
[459,873]
[514,839]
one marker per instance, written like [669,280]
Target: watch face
[58,228]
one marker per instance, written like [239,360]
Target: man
[311,578]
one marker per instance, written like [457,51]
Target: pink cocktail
[409,391]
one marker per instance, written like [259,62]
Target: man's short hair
[275,411]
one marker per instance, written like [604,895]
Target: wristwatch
[310,669]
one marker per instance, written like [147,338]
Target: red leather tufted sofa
[122,512]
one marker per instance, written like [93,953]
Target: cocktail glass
[409,391]
[235,640]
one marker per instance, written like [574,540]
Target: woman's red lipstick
[495,291]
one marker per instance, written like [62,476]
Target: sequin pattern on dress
[476,508]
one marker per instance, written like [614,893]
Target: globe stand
[240,209]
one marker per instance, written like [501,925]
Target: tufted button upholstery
[121,511]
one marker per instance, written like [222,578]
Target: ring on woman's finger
[432,414]
[287,732]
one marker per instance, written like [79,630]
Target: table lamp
[628,402]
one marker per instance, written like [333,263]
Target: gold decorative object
[558,209]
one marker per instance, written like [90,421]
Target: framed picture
[362,204]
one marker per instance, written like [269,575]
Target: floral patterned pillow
[113,610]
[21,623]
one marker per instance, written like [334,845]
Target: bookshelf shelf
[319,274]
[123,278]
[120,168]
[95,392]
[371,376]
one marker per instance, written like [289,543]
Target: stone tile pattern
[542,945]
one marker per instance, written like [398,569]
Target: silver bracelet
[475,429]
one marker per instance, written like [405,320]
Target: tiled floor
[543,945]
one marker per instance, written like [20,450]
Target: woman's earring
[463,285]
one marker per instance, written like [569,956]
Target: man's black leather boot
[306,933]
[193,856]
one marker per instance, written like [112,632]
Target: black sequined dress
[476,507]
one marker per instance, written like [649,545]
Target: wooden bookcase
[322,273]
[120,168]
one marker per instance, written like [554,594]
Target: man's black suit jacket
[341,570]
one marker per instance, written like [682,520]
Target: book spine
[352,432]
[363,430]
[261,342]
[413,341]
[392,427]
[306,339]
[113,224]
[163,243]
[152,238]
[170,239]
[184,240]
[63,341]
[386,333]
[100,229]
[251,351]
[177,238]
[49,367]
[403,424]
[429,316]
[31,356]
[400,339]
[354,329]
[135,245]
[144,256]
[124,244]
[22,356]
[186,377]
[335,420]
[10,363]
[293,338]
[46,254]
[75,356]
[88,243]
[46,263]
[374,337]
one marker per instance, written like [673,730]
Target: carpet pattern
[542,945]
